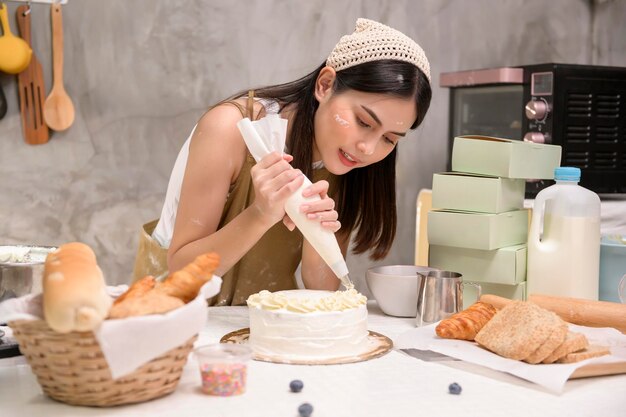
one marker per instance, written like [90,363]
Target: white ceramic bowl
[395,288]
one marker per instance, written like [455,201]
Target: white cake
[308,324]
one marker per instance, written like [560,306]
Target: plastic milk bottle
[564,239]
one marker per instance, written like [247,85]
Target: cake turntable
[376,345]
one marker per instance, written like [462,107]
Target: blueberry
[305,410]
[296,385]
[454,388]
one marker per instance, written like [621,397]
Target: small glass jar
[223,368]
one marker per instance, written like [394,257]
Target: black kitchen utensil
[3,104]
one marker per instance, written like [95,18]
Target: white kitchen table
[395,384]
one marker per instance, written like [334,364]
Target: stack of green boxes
[478,226]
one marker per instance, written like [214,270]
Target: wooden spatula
[31,88]
[58,110]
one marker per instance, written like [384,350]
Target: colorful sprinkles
[223,379]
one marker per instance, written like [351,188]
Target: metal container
[21,269]
[439,295]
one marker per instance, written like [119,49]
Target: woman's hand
[274,181]
[321,210]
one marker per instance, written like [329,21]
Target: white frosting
[308,324]
[14,254]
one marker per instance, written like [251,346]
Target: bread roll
[74,291]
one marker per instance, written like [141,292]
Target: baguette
[466,324]
[74,290]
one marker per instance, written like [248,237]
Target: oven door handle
[505,75]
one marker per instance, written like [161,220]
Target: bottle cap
[567,174]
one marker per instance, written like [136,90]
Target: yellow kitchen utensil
[14,52]
[58,110]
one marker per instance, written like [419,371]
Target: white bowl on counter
[395,288]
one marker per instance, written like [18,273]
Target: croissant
[146,296]
[148,303]
[185,283]
[138,289]
[466,324]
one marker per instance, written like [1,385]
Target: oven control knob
[535,137]
[536,109]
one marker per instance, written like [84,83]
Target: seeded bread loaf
[555,339]
[573,342]
[518,330]
[589,352]
[524,331]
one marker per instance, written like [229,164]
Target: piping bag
[268,135]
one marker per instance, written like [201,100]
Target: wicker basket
[71,368]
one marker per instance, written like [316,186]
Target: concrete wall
[141,72]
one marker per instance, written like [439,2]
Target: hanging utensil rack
[39,1]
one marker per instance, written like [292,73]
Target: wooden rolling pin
[574,310]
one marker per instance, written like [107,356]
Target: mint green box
[477,230]
[474,192]
[504,157]
[512,292]
[501,266]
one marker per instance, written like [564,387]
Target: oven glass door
[494,110]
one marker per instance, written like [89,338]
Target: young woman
[345,120]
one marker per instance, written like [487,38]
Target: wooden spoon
[58,110]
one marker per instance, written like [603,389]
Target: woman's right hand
[274,180]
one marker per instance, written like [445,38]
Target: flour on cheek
[342,122]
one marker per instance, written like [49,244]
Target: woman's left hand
[322,210]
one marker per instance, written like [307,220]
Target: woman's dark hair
[366,201]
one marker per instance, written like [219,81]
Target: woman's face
[355,129]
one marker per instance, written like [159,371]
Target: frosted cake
[308,324]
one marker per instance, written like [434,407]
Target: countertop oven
[582,108]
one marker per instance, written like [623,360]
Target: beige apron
[151,258]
